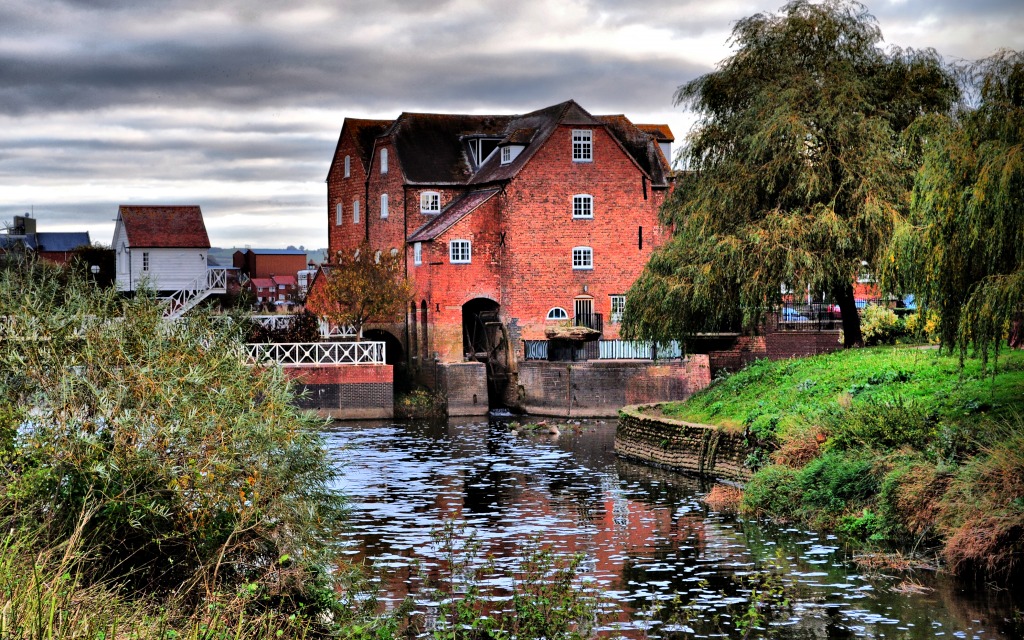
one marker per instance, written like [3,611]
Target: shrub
[176,465]
[880,424]
[835,484]
[880,325]
[773,491]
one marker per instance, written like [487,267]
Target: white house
[165,247]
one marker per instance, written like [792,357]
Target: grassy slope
[893,446]
[800,391]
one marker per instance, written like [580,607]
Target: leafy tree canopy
[361,287]
[794,172]
[962,250]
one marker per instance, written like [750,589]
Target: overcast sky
[236,105]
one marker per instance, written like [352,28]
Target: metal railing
[603,350]
[316,353]
[215,280]
[590,320]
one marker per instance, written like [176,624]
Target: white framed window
[618,306]
[582,258]
[582,145]
[355,212]
[348,166]
[557,313]
[338,214]
[417,253]
[383,205]
[583,206]
[430,202]
[376,257]
[145,261]
[383,160]
[506,155]
[460,252]
[280,287]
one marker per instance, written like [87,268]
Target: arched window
[557,313]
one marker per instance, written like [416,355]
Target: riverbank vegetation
[893,446]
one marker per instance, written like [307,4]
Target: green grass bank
[893,446]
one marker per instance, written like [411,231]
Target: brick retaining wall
[701,449]
[346,392]
[599,388]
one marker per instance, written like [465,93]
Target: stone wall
[600,388]
[705,450]
[346,392]
[464,387]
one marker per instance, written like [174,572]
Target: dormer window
[482,148]
[430,202]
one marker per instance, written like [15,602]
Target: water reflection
[648,539]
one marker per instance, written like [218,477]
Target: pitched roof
[288,281]
[433,148]
[62,241]
[456,210]
[661,132]
[164,226]
[363,132]
[641,146]
[262,282]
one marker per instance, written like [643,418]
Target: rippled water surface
[648,540]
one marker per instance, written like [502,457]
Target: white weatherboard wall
[170,269]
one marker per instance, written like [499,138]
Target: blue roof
[287,252]
[62,241]
[8,242]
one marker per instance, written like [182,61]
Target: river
[649,543]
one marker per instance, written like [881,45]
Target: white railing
[330,331]
[215,280]
[316,353]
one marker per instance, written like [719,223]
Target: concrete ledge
[705,450]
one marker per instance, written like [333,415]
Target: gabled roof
[10,241]
[661,132]
[642,147]
[164,226]
[363,132]
[62,241]
[288,281]
[456,210]
[262,282]
[432,148]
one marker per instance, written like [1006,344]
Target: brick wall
[464,387]
[541,232]
[601,388]
[348,234]
[345,392]
[682,446]
[774,345]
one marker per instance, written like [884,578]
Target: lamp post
[95,269]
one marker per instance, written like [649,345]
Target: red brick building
[512,226]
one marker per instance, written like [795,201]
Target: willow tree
[962,250]
[794,172]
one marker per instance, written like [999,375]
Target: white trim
[417,253]
[583,206]
[582,145]
[297,354]
[355,211]
[348,166]
[552,315]
[460,251]
[430,202]
[613,316]
[582,258]
[339,215]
